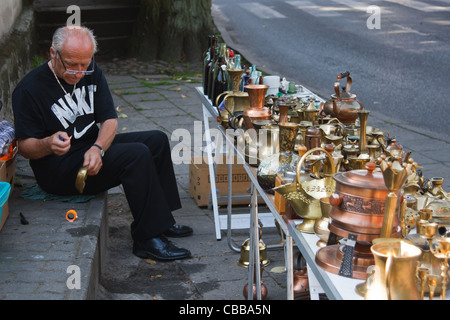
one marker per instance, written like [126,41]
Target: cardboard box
[199,183]
[7,173]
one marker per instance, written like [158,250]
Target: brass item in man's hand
[80,182]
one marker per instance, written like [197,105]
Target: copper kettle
[343,105]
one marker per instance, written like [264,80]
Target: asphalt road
[397,54]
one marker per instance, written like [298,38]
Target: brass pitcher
[234,102]
[395,270]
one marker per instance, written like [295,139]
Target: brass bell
[244,260]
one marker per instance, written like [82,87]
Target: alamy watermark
[223,144]
[74,280]
[75,19]
[374,20]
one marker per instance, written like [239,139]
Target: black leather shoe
[159,249]
[177,231]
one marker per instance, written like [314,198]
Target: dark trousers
[141,162]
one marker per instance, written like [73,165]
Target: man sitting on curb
[57,107]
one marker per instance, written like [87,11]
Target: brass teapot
[343,105]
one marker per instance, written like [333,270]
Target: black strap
[346,269]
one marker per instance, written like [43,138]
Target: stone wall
[17,49]
[9,11]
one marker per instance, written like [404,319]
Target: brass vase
[283,161]
[235,75]
[283,108]
[395,175]
[256,110]
[321,224]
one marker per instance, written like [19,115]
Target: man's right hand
[59,143]
[32,148]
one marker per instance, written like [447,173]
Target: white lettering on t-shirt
[67,109]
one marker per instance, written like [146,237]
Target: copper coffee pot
[343,105]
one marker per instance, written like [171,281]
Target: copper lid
[362,178]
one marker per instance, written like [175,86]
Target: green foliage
[36,61]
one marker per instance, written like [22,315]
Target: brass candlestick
[363,115]
[395,174]
[422,273]
[442,252]
[432,281]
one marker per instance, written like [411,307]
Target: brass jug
[343,105]
[395,270]
[234,102]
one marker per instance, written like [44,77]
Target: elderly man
[65,119]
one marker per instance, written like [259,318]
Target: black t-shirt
[41,108]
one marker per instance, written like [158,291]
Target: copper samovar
[357,212]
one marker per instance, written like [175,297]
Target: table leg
[212,174]
[289,269]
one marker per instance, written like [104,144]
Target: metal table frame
[254,268]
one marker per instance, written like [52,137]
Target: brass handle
[307,153]
[346,74]
[224,99]
[217,98]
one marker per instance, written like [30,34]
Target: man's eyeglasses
[71,71]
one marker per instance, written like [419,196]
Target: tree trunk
[172,30]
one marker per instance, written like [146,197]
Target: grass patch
[127,93]
[156,84]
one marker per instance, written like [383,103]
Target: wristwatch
[102,152]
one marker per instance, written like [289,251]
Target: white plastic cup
[274,84]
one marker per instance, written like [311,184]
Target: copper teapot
[343,105]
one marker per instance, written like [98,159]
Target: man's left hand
[93,160]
